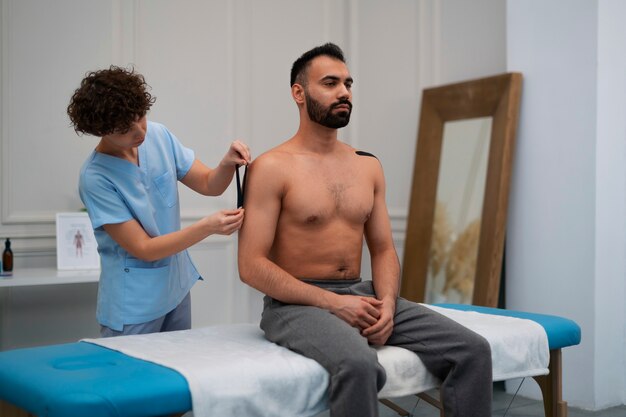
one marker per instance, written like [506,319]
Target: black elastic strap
[363,153]
[241,187]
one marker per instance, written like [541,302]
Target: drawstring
[241,187]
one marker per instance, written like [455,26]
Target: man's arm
[385,264]
[264,191]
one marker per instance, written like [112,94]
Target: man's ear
[297,92]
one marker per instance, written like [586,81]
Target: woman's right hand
[225,222]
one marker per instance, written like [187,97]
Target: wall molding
[123,31]
[26,245]
[352,22]
[47,230]
[240,60]
[4,113]
[429,53]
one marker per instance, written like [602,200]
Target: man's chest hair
[323,199]
[318,190]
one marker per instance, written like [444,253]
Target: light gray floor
[520,407]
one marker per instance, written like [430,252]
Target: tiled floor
[520,407]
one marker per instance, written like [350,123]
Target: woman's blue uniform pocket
[167,186]
[146,290]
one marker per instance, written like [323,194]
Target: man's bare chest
[317,198]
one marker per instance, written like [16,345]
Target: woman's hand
[238,154]
[225,222]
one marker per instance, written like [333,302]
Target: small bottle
[7,258]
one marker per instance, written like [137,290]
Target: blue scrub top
[114,190]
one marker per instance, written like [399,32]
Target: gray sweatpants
[460,358]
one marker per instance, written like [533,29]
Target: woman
[129,187]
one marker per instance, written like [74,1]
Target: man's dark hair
[300,66]
[109,101]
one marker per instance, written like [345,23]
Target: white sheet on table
[519,348]
[233,370]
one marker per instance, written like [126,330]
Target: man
[309,203]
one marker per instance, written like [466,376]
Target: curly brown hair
[109,101]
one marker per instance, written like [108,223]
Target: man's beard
[325,116]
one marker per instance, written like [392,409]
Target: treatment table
[83,379]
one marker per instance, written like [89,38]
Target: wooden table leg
[552,387]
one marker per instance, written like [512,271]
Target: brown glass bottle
[7,257]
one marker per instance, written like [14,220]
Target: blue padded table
[82,379]
[561,332]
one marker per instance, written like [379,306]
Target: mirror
[459,195]
[458,205]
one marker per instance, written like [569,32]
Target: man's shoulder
[269,172]
[274,159]
[360,154]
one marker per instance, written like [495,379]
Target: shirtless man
[309,204]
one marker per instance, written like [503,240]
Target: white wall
[610,321]
[219,70]
[566,246]
[472,42]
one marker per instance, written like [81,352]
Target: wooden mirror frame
[498,97]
